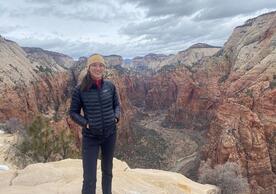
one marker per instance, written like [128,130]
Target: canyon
[203,103]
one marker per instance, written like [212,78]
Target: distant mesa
[203,45]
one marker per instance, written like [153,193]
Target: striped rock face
[32,81]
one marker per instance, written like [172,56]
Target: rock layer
[230,95]
[66,177]
[29,84]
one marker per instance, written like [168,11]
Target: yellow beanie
[96,58]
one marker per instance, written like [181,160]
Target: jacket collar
[97,84]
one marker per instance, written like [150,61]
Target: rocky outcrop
[66,177]
[244,126]
[230,95]
[155,62]
[113,60]
[149,61]
[127,110]
[28,83]
[159,90]
[53,60]
[237,135]
[195,53]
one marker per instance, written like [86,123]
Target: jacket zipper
[100,100]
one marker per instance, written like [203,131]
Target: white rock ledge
[65,177]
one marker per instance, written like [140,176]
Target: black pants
[90,151]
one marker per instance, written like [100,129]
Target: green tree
[43,144]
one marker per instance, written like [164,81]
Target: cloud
[66,2]
[71,47]
[171,34]
[2,11]
[124,27]
[10,28]
[211,9]
[222,9]
[82,10]
[166,7]
[172,29]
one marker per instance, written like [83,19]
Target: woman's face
[96,70]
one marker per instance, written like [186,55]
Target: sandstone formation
[187,57]
[230,95]
[66,177]
[243,129]
[30,83]
[159,90]
[227,93]
[113,60]
[54,60]
[149,61]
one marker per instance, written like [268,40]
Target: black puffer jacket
[100,107]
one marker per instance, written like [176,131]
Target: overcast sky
[124,27]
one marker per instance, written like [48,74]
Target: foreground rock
[66,177]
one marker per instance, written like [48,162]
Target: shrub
[66,145]
[227,177]
[56,117]
[41,143]
[272,84]
[249,92]
[223,78]
[45,69]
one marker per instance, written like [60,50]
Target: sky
[128,28]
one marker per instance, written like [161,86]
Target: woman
[99,100]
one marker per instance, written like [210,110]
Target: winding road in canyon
[183,143]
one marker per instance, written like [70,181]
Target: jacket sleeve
[116,104]
[75,108]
